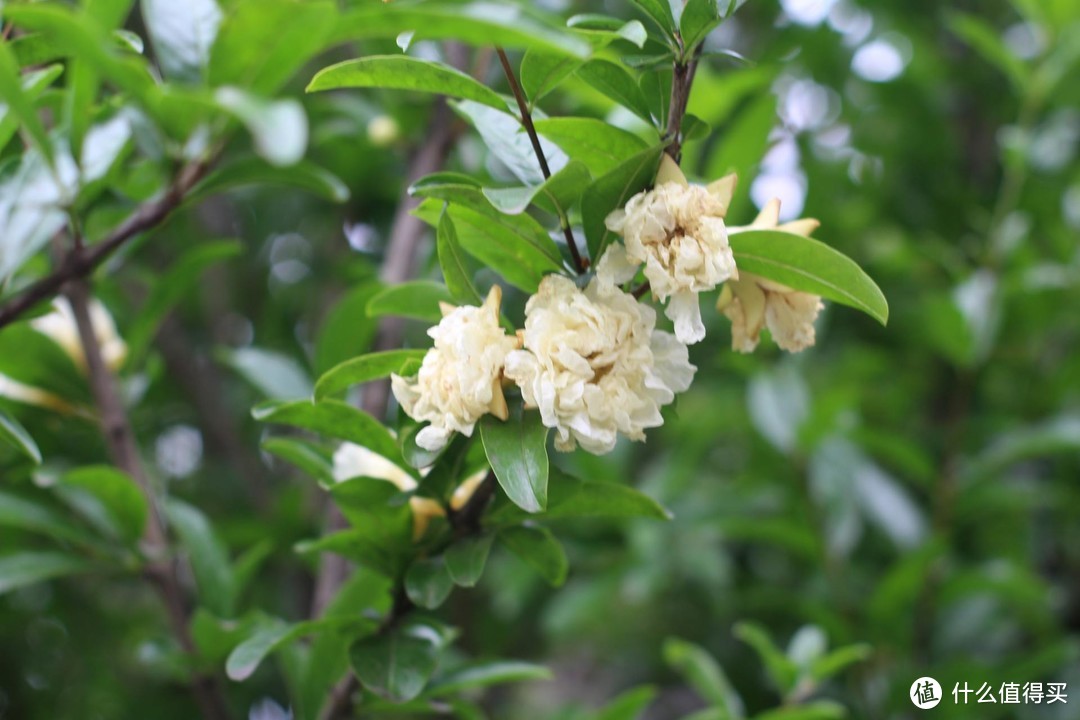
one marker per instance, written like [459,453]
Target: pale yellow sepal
[670,172]
[724,189]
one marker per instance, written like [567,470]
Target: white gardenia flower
[677,231]
[60,327]
[753,302]
[595,365]
[460,379]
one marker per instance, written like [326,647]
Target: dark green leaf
[660,13]
[332,418]
[364,369]
[705,675]
[465,559]
[33,84]
[401,72]
[699,17]
[256,171]
[209,559]
[805,264]
[428,582]
[15,435]
[27,568]
[418,299]
[570,497]
[19,102]
[611,191]
[274,633]
[781,670]
[555,195]
[599,145]
[517,450]
[629,705]
[616,83]
[741,146]
[833,662]
[539,549]
[398,664]
[481,675]
[313,459]
[455,270]
[348,330]
[26,514]
[542,72]
[108,497]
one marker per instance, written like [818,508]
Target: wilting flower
[595,365]
[352,460]
[460,379]
[677,231]
[59,326]
[753,302]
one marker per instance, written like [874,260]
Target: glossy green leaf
[209,558]
[398,664]
[332,418]
[604,28]
[507,140]
[569,497]
[313,459]
[660,13]
[417,299]
[540,551]
[486,674]
[347,329]
[14,434]
[611,191]
[616,83]
[272,634]
[276,375]
[279,128]
[402,72]
[27,568]
[455,269]
[251,171]
[556,194]
[542,72]
[705,675]
[601,146]
[107,497]
[517,450]
[781,670]
[364,369]
[810,266]
[466,558]
[428,582]
[699,17]
[371,547]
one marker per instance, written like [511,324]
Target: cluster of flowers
[591,360]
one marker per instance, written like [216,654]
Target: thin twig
[530,129]
[82,260]
[125,455]
[681,81]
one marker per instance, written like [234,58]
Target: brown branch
[82,259]
[681,80]
[120,440]
[530,129]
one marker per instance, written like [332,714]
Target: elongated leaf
[108,497]
[602,147]
[455,270]
[398,664]
[276,375]
[987,41]
[401,72]
[182,34]
[474,23]
[705,675]
[810,266]
[539,549]
[465,559]
[542,72]
[274,633]
[699,17]
[659,11]
[256,171]
[603,29]
[629,705]
[833,662]
[616,83]
[26,514]
[506,138]
[313,459]
[333,418]
[15,435]
[19,103]
[781,670]
[517,450]
[364,369]
[418,299]
[486,674]
[570,497]
[347,330]
[278,127]
[611,191]
[428,582]
[209,559]
[33,84]
[27,568]
[741,146]
[556,194]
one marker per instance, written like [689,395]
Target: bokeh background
[915,488]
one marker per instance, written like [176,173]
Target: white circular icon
[925,693]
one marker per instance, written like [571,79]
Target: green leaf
[209,559]
[818,710]
[279,128]
[705,675]
[401,72]
[660,13]
[272,634]
[365,368]
[249,171]
[808,265]
[107,497]
[465,559]
[837,660]
[15,435]
[556,194]
[604,29]
[539,549]
[742,145]
[167,290]
[505,137]
[474,23]
[570,497]
[517,450]
[313,459]
[19,103]
[182,34]
[26,514]
[611,191]
[485,674]
[699,17]
[601,146]
[418,299]
[333,418]
[34,84]
[276,375]
[1053,436]
[629,705]
[542,72]
[398,664]
[455,271]
[27,568]
[616,83]
[987,41]
[347,330]
[781,670]
[428,582]
[262,43]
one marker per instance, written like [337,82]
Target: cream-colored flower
[753,302]
[59,326]
[460,379]
[352,460]
[677,231]
[595,365]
